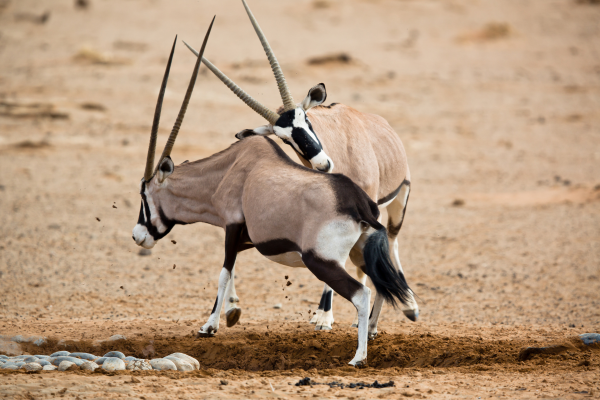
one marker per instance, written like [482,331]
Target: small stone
[117,337]
[130,358]
[139,365]
[9,366]
[187,358]
[65,365]
[60,353]
[19,364]
[224,382]
[49,367]
[590,338]
[84,356]
[116,354]
[3,356]
[89,366]
[32,367]
[31,359]
[277,306]
[181,365]
[161,364]
[100,360]
[41,357]
[18,339]
[113,364]
[57,360]
[43,362]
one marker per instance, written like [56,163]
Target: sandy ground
[496,103]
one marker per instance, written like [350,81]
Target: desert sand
[495,102]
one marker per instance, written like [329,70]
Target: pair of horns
[150,170]
[284,91]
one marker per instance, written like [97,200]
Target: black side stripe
[390,196]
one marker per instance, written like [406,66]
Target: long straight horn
[284,91]
[186,100]
[153,133]
[267,114]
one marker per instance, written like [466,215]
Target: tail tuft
[388,281]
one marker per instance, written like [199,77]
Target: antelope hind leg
[232,311]
[396,210]
[324,319]
[334,274]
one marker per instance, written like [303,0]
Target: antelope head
[153,224]
[292,125]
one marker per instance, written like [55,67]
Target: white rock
[89,366]
[64,365]
[113,364]
[49,367]
[9,366]
[139,365]
[162,364]
[60,353]
[32,367]
[117,337]
[277,306]
[181,365]
[187,358]
[116,354]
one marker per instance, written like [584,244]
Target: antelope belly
[291,259]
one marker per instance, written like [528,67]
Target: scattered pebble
[139,365]
[181,365]
[9,365]
[65,365]
[31,359]
[100,360]
[84,356]
[359,385]
[161,364]
[277,306]
[590,338]
[44,362]
[57,360]
[113,363]
[89,366]
[117,337]
[116,354]
[60,353]
[187,358]
[32,367]
[49,367]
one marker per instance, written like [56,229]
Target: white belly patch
[291,259]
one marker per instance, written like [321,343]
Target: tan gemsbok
[293,215]
[363,146]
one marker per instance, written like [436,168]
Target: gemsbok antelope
[364,147]
[293,215]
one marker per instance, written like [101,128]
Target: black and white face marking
[150,226]
[294,128]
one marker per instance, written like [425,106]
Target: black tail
[388,281]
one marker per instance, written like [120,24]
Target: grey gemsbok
[364,147]
[293,215]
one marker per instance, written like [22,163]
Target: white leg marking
[232,311]
[361,301]
[362,278]
[212,326]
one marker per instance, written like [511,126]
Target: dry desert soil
[496,102]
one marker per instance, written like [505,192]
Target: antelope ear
[261,131]
[316,96]
[165,168]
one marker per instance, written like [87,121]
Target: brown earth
[496,103]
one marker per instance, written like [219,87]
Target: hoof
[358,364]
[372,336]
[210,332]
[413,315]
[322,328]
[233,316]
